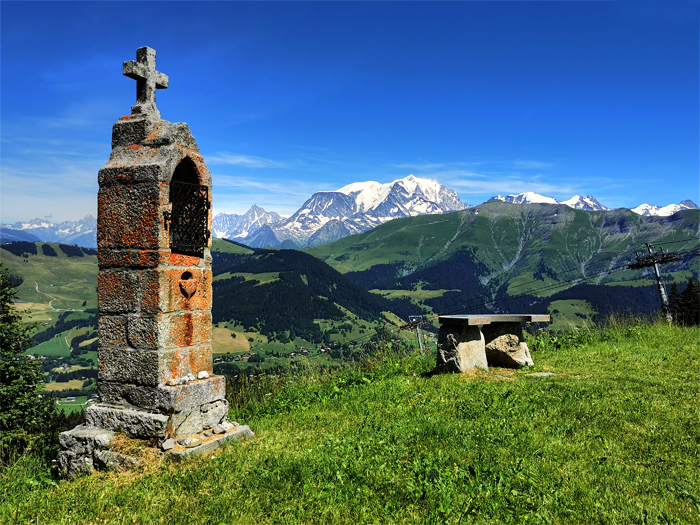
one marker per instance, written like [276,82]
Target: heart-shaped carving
[188,287]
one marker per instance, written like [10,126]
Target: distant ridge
[577,202]
[664,211]
[590,203]
[358,207]
[82,232]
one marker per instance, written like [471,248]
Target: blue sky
[290,98]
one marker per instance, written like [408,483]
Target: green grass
[613,437]
[64,282]
[565,318]
[73,406]
[223,246]
[56,346]
[262,278]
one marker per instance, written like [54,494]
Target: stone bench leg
[460,349]
[506,346]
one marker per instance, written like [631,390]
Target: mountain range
[82,232]
[590,203]
[355,208]
[326,216]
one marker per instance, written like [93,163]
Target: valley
[277,308]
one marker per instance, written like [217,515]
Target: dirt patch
[222,341]
[70,385]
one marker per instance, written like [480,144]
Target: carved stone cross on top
[143,70]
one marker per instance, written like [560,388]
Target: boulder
[460,349]
[506,346]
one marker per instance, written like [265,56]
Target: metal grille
[189,231]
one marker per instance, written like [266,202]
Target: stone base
[133,421]
[85,450]
[164,411]
[211,443]
[144,424]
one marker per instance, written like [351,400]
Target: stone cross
[143,70]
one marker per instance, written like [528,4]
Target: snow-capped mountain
[528,197]
[82,232]
[664,211]
[588,203]
[355,208]
[233,226]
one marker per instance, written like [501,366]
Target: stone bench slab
[480,320]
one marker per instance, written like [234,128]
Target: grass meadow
[613,437]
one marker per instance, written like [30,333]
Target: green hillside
[53,281]
[283,300]
[511,239]
[483,257]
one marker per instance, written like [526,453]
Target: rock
[137,423]
[208,434]
[223,427]
[542,374]
[504,378]
[509,352]
[185,442]
[189,377]
[81,450]
[203,374]
[460,349]
[192,442]
[241,432]
[506,346]
[194,421]
[168,444]
[108,460]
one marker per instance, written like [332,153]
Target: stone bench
[473,341]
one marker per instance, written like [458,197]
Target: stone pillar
[155,375]
[154,296]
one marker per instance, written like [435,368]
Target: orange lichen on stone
[115,292]
[189,328]
[189,361]
[179,259]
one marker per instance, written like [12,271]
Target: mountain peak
[664,211]
[370,195]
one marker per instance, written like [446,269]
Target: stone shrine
[155,376]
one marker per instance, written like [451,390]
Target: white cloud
[247,161]
[471,183]
[532,165]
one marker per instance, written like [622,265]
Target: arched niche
[189,215]
[185,171]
